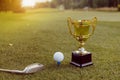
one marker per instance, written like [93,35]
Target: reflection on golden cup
[81,30]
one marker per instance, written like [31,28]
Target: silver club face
[33,68]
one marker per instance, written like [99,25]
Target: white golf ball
[58,56]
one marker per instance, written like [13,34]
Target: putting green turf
[34,36]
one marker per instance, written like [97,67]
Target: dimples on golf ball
[58,56]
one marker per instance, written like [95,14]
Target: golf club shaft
[12,71]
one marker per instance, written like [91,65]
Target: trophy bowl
[81,30]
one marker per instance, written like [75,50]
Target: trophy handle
[93,24]
[69,21]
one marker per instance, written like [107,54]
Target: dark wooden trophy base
[81,60]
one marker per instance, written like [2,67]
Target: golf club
[27,70]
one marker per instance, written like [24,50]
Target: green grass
[37,34]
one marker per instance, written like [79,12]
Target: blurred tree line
[11,5]
[85,3]
[43,4]
[15,5]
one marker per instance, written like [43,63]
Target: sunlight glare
[31,3]
[28,3]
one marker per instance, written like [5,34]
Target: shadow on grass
[67,66]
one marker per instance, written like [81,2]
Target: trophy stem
[81,44]
[82,49]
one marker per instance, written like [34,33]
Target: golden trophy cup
[81,30]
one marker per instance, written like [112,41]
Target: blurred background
[22,5]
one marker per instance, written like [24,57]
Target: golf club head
[33,68]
